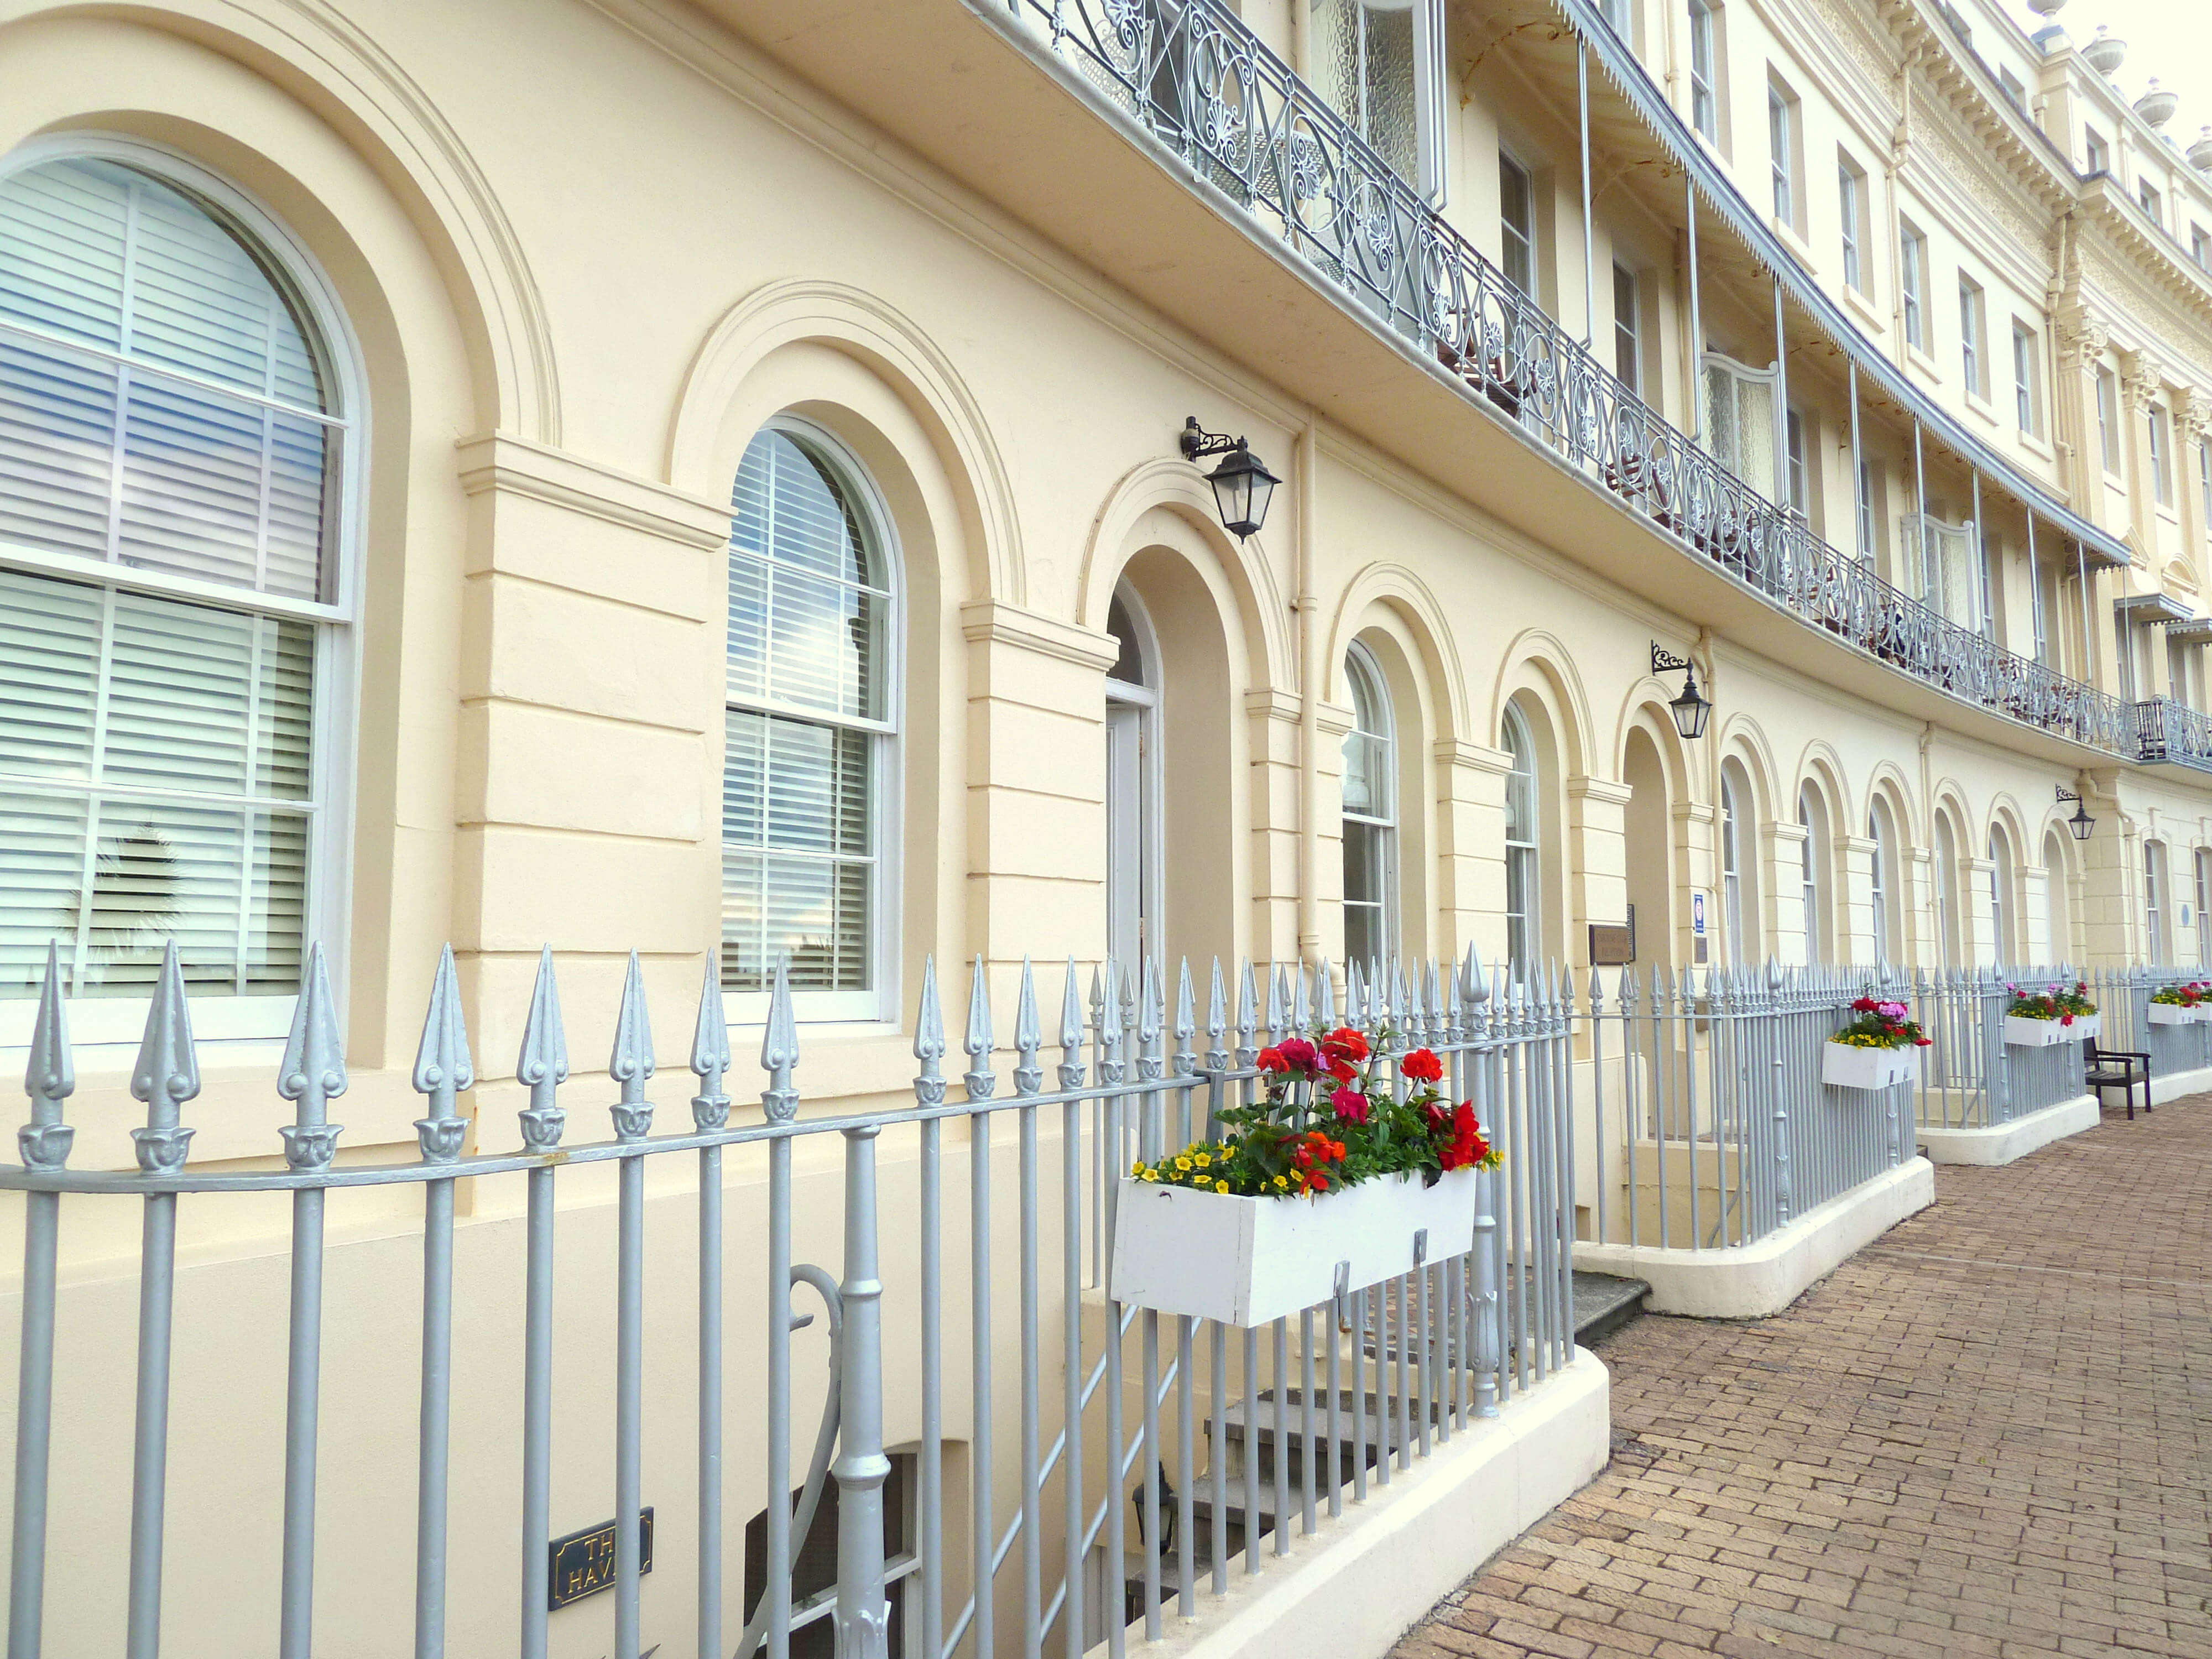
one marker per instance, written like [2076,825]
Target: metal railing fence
[1713,1127]
[2170,731]
[2124,996]
[1972,1078]
[1200,82]
[1138,1452]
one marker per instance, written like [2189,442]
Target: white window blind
[163,416]
[809,701]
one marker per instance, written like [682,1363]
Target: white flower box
[2049,1033]
[1847,1065]
[1249,1260]
[2173,1013]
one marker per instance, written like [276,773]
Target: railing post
[542,1067]
[1777,1031]
[167,1075]
[862,1615]
[630,1064]
[49,1079]
[710,1112]
[443,1068]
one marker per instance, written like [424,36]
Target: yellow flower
[1138,1168]
[1220,1186]
[1203,1160]
[1152,1174]
[1182,1163]
[1282,1181]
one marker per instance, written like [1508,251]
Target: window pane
[202,710]
[792,788]
[56,448]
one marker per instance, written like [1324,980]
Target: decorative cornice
[994,622]
[501,463]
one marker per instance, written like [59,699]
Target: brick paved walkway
[1989,1432]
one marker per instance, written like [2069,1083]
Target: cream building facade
[639,476]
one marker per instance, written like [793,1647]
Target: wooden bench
[2121,1069]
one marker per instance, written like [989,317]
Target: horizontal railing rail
[1118,1461]
[1196,77]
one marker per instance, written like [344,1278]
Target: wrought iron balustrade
[1195,77]
[2169,731]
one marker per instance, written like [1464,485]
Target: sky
[2169,39]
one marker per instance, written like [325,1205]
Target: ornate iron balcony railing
[1194,76]
[2169,731]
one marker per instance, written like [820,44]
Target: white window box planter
[1850,1066]
[1247,1261]
[2173,1013]
[2049,1033]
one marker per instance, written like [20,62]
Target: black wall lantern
[1242,483]
[2083,821]
[1691,710]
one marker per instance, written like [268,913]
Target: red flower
[1271,1059]
[1342,1070]
[2065,1019]
[1422,1066]
[1468,1147]
[1316,1182]
[1297,1054]
[1345,1043]
[1924,1042]
[1351,1105]
[1864,1005]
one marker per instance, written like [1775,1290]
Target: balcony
[1258,139]
[2173,731]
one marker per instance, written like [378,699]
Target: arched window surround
[1370,814]
[332,610]
[876,998]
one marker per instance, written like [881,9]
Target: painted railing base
[2007,1143]
[2175,1085]
[1754,1280]
[1359,1583]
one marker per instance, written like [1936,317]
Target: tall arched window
[1883,866]
[1739,866]
[2002,917]
[176,451]
[810,718]
[2203,863]
[2154,901]
[1523,827]
[1946,890]
[2057,886]
[1813,876]
[1370,816]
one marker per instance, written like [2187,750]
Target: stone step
[1603,1303]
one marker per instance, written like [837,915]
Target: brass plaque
[1613,944]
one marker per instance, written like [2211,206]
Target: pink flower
[1351,1105]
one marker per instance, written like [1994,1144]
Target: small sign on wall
[1613,944]
[583,1562]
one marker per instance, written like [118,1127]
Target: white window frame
[2152,200]
[879,1002]
[1849,181]
[2161,477]
[1524,859]
[1136,850]
[2203,861]
[1627,331]
[1781,129]
[1970,334]
[249,1022]
[2026,405]
[2155,940]
[1512,236]
[1812,866]
[1794,471]
[1869,517]
[1704,70]
[1360,665]
[1880,879]
[2001,907]
[2096,154]
[1739,842]
[2108,420]
[1913,254]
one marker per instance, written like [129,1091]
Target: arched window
[1370,816]
[1813,876]
[2153,899]
[810,723]
[1883,865]
[1523,828]
[2001,918]
[1739,866]
[1946,890]
[2203,863]
[176,457]
[2057,886]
